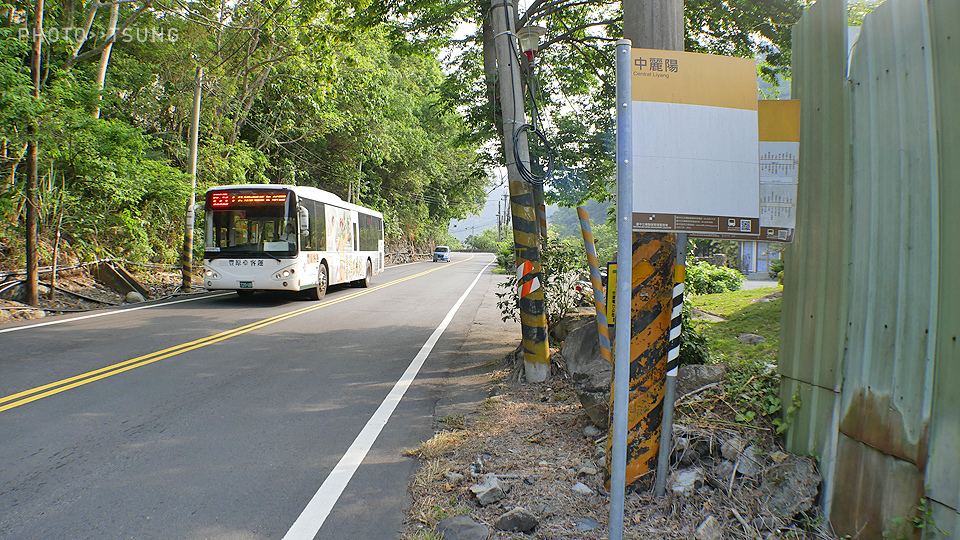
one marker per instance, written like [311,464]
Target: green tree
[485,240]
[575,68]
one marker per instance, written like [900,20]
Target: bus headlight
[284,273]
[211,274]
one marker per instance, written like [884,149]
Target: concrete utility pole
[648,25]
[533,317]
[187,269]
[33,267]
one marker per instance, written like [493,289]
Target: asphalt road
[223,418]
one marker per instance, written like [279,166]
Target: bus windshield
[247,222]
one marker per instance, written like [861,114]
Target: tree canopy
[293,91]
[575,87]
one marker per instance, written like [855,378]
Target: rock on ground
[710,529]
[790,487]
[489,490]
[462,528]
[518,519]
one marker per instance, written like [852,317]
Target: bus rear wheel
[317,292]
[367,277]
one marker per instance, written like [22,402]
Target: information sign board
[695,160]
[779,133]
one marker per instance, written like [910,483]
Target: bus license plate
[246,284]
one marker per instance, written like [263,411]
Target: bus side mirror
[304,220]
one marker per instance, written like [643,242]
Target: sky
[487,219]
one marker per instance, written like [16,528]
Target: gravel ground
[540,444]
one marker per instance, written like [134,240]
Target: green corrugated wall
[871,303]
[943,467]
[814,309]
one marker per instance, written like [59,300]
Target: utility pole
[187,269]
[636,437]
[533,317]
[33,267]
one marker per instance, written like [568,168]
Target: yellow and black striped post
[533,315]
[599,301]
[654,255]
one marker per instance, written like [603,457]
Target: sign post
[621,363]
[687,163]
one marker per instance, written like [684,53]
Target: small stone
[587,524]
[591,431]
[751,339]
[723,472]
[778,456]
[462,528]
[453,477]
[750,463]
[582,489]
[710,529]
[517,519]
[587,471]
[732,448]
[600,451]
[489,490]
[687,481]
[133,297]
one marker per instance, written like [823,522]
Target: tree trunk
[33,274]
[105,55]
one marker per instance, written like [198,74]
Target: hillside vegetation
[301,95]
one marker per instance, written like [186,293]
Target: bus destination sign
[230,199]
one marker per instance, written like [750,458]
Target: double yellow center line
[40,392]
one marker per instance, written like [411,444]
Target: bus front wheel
[317,292]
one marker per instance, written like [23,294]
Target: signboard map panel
[779,125]
[695,159]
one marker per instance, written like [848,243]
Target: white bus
[288,238]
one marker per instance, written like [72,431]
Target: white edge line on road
[105,313]
[311,519]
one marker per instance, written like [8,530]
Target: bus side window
[306,240]
[309,241]
[318,227]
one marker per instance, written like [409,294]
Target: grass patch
[728,303]
[744,314]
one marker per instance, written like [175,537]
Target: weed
[922,522]
[454,421]
[783,424]
[755,391]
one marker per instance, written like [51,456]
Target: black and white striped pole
[673,366]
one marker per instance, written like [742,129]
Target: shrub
[704,278]
[776,268]
[563,265]
[693,345]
